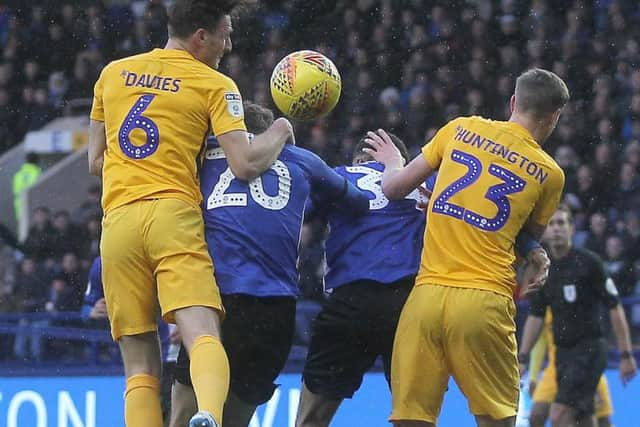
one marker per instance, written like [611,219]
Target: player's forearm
[392,184]
[620,328]
[265,149]
[532,329]
[97,147]
[95,166]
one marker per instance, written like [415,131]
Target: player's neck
[538,132]
[174,43]
[559,252]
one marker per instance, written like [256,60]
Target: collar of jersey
[172,52]
[522,132]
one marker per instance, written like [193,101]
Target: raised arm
[397,180]
[249,159]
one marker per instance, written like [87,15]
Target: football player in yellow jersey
[543,392]
[151,114]
[494,179]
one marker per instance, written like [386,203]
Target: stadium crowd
[407,66]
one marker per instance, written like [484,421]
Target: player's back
[384,245]
[492,177]
[158,108]
[253,228]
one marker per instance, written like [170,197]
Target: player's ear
[512,103]
[200,36]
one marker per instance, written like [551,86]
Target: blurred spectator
[618,266]
[94,308]
[7,277]
[39,241]
[75,279]
[31,293]
[90,208]
[67,237]
[23,179]
[597,234]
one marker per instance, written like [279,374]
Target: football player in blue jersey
[371,264]
[368,289]
[253,230]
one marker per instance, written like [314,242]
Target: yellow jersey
[158,108]
[551,347]
[492,176]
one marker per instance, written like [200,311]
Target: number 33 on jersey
[492,177]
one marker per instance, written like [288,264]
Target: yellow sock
[210,375]
[142,402]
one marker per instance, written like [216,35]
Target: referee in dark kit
[576,290]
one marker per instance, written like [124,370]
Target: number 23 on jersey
[497,194]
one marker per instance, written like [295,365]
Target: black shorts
[357,324]
[578,371]
[256,333]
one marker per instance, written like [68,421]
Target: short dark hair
[540,92]
[257,118]
[186,16]
[357,151]
[562,207]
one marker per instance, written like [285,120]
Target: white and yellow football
[305,85]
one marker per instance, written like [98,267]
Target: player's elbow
[244,171]
[95,165]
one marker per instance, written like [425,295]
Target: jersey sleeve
[539,304]
[97,107]
[225,108]
[550,199]
[332,188]
[434,150]
[604,285]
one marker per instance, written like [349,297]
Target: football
[305,85]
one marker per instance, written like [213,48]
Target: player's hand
[532,387]
[536,271]
[99,310]
[423,201]
[287,127]
[628,369]
[175,337]
[382,149]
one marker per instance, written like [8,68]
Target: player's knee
[197,321]
[141,355]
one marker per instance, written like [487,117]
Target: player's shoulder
[302,157]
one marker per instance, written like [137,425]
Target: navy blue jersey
[94,290]
[384,245]
[253,228]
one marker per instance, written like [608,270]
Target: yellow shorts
[547,388]
[153,251]
[465,333]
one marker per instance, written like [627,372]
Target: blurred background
[407,66]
